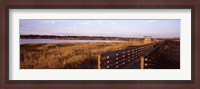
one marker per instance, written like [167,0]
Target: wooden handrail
[147,54]
[119,58]
[150,59]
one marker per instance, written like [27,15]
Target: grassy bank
[66,55]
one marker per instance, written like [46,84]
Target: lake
[27,41]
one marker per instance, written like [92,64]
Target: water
[27,41]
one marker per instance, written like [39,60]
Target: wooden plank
[99,61]
[152,56]
[119,52]
[122,53]
[127,57]
[112,65]
[142,62]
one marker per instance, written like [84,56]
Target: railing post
[99,61]
[142,62]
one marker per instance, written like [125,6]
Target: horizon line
[94,36]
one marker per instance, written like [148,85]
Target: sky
[107,28]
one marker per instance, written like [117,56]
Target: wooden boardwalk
[170,57]
[133,65]
[154,55]
[125,58]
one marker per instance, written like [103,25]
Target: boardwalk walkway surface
[165,55]
[170,57]
[133,65]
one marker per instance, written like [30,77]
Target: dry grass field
[66,55]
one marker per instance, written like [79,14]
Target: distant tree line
[77,37]
[88,38]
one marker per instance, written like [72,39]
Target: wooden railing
[150,59]
[118,59]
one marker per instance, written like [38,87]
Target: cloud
[63,34]
[99,21]
[26,26]
[106,22]
[85,22]
[152,21]
[21,25]
[113,22]
[47,22]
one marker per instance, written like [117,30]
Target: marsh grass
[66,55]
